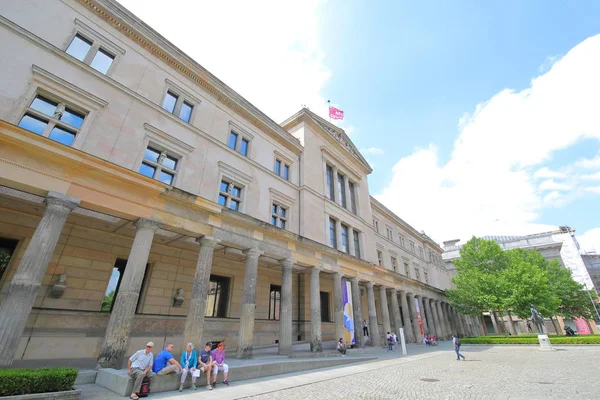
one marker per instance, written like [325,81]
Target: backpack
[145,388]
[457,342]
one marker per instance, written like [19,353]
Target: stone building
[143,199]
[561,245]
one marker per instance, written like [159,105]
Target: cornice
[136,30]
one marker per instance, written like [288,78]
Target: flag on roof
[334,113]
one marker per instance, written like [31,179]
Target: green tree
[574,300]
[107,301]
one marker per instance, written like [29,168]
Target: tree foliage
[491,279]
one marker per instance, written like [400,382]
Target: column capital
[355,279]
[392,290]
[370,285]
[339,274]
[253,252]
[287,262]
[144,223]
[208,241]
[61,200]
[316,269]
[402,292]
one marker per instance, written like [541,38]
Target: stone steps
[86,376]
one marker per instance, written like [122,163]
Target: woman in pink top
[218,356]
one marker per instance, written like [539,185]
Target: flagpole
[329,109]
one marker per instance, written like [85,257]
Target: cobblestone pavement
[487,373]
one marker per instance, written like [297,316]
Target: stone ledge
[66,395]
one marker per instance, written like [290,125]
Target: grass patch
[532,339]
[28,381]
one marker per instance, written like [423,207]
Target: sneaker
[209,387]
[201,369]
[194,387]
[181,388]
[214,384]
[463,358]
[226,383]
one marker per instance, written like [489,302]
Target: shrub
[530,339]
[27,381]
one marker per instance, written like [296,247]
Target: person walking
[456,344]
[365,327]
[139,366]
[390,341]
[188,365]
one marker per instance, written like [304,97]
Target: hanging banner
[582,326]
[419,318]
[348,313]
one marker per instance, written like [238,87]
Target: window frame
[380,257]
[220,308]
[356,239]
[344,232]
[283,164]
[182,96]
[353,204]
[236,177]
[229,195]
[274,303]
[394,261]
[158,167]
[325,301]
[277,216]
[402,242]
[8,243]
[390,233]
[242,135]
[329,182]
[99,42]
[341,189]
[333,233]
[412,247]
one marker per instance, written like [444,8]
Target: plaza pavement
[490,372]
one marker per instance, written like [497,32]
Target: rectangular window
[344,239]
[412,247]
[402,241]
[394,264]
[325,313]
[114,282]
[93,54]
[376,225]
[380,258]
[274,302]
[7,249]
[159,165]
[278,215]
[282,169]
[332,233]
[352,188]
[238,143]
[389,234]
[330,187]
[425,277]
[178,105]
[230,195]
[341,190]
[356,244]
[218,293]
[417,274]
[406,269]
[420,252]
[52,119]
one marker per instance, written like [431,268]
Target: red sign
[582,326]
[335,113]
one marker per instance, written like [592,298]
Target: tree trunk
[556,326]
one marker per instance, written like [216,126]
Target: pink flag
[335,113]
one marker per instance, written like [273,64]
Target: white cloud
[490,184]
[592,189]
[591,177]
[550,184]
[547,173]
[268,50]
[590,241]
[372,150]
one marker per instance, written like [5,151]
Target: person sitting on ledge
[341,347]
[205,362]
[165,363]
[433,341]
[218,356]
[139,366]
[188,363]
[426,341]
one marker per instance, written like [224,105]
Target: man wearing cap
[139,365]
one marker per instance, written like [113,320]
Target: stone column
[246,330]
[357,312]
[338,306]
[439,331]
[285,310]
[409,331]
[119,326]
[396,318]
[385,312]
[25,284]
[423,318]
[443,323]
[459,323]
[450,318]
[414,317]
[373,326]
[428,316]
[194,323]
[316,339]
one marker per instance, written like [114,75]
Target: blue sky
[405,73]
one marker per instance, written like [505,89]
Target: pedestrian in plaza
[395,340]
[341,347]
[365,327]
[188,364]
[139,366]
[165,363]
[390,341]
[206,363]
[218,356]
[456,344]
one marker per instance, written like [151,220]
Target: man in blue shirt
[165,363]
